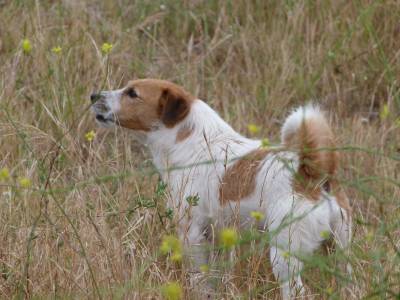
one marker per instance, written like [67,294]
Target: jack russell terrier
[294,186]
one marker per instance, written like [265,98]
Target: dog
[294,185]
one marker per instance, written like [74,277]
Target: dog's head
[143,105]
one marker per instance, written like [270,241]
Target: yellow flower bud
[4,174]
[265,143]
[253,128]
[286,255]
[176,257]
[384,113]
[256,215]
[172,291]
[325,234]
[228,238]
[25,182]
[26,46]
[171,245]
[397,122]
[56,50]
[106,48]
[204,268]
[89,136]
[329,290]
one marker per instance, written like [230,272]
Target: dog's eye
[131,93]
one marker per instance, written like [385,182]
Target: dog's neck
[207,133]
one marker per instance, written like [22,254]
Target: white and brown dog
[294,185]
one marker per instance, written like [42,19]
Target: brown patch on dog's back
[239,180]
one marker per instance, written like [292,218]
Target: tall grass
[90,219]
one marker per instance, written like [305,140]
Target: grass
[90,222]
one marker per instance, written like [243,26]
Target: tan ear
[173,106]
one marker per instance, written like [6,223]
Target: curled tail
[307,131]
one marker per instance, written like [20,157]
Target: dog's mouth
[103,114]
[104,121]
[101,118]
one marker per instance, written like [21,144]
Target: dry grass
[91,222]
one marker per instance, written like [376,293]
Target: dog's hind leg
[341,225]
[341,229]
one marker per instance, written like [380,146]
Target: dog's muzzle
[95,97]
[101,109]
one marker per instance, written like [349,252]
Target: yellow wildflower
[89,136]
[228,237]
[56,50]
[25,182]
[26,46]
[171,245]
[4,174]
[265,143]
[256,215]
[325,234]
[397,122]
[253,128]
[384,113]
[176,257]
[204,268]
[370,236]
[172,291]
[331,54]
[286,255]
[106,48]
[329,290]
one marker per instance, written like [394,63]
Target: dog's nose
[94,97]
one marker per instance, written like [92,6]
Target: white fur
[295,119]
[108,108]
[196,165]
[113,98]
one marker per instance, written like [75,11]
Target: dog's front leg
[287,271]
[196,250]
[195,245]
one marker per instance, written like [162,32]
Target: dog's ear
[174,105]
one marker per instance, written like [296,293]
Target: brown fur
[239,180]
[158,100]
[318,163]
[341,197]
[183,133]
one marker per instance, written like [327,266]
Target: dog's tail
[307,131]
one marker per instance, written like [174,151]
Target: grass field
[83,215]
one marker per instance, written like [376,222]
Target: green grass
[91,222]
